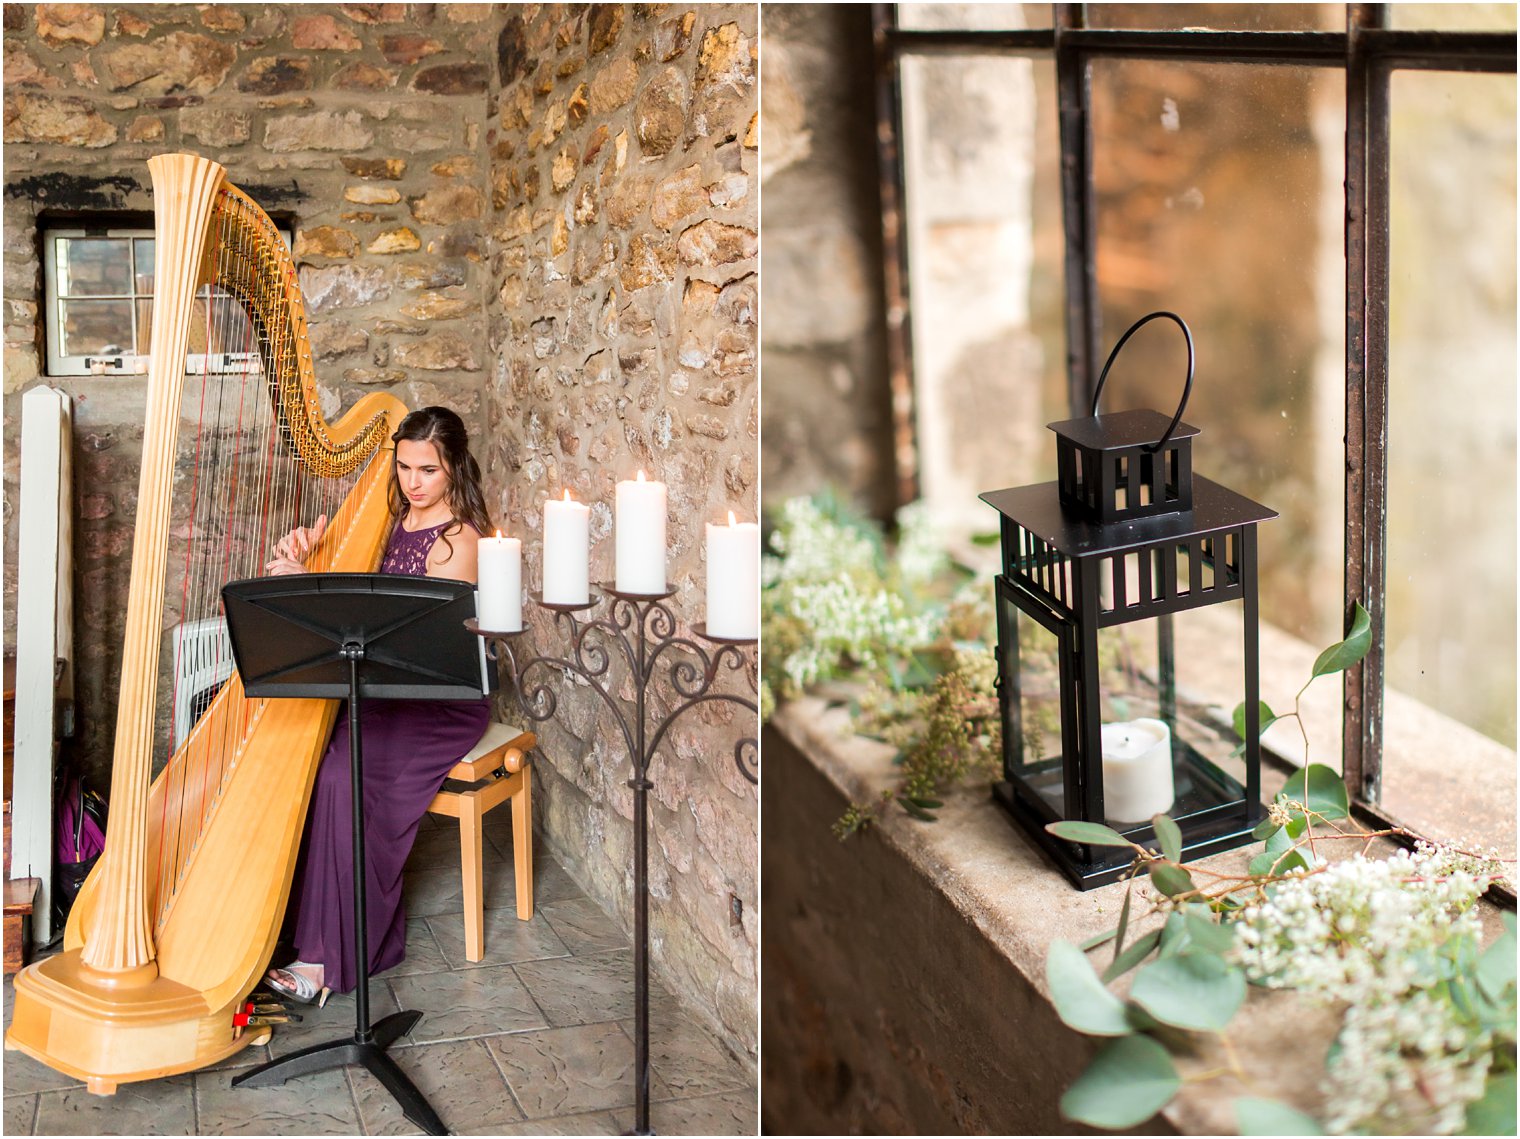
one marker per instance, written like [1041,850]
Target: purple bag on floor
[79,838]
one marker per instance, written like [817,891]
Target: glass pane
[93,266]
[1219,198]
[1220,17]
[1451,581]
[975,17]
[142,252]
[144,327]
[223,324]
[96,328]
[983,226]
[1453,17]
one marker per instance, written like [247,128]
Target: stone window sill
[905,968]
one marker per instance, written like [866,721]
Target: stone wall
[361,122]
[543,216]
[828,410]
[623,145]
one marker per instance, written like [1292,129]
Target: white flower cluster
[921,553]
[814,547]
[869,627]
[1370,932]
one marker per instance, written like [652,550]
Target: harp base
[110,1036]
[370,1054]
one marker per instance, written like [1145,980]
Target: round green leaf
[1074,830]
[1494,1113]
[1169,835]
[1170,880]
[1081,1000]
[1266,715]
[1128,1082]
[1195,991]
[1320,789]
[1268,1117]
[1343,654]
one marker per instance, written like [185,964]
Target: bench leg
[472,873]
[522,844]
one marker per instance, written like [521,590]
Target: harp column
[118,946]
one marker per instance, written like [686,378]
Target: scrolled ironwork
[645,632]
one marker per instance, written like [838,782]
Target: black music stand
[356,635]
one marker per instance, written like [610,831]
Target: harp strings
[242,489]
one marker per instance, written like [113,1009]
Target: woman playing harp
[409,745]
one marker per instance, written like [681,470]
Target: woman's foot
[300,981]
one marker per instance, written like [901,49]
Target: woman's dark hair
[445,431]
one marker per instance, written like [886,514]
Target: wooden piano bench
[495,771]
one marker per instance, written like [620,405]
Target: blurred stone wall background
[541,215]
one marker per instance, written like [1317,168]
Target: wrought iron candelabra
[640,629]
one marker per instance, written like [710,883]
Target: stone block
[374,13]
[65,120]
[678,196]
[23,70]
[613,86]
[440,306]
[333,339]
[606,23]
[660,114]
[400,240]
[408,47]
[276,75]
[322,33]
[388,168]
[215,127]
[452,79]
[342,286]
[222,18]
[448,204]
[62,24]
[371,195]
[361,76]
[714,243]
[179,62]
[440,352]
[146,128]
[325,241]
[649,261]
[673,36]
[322,130]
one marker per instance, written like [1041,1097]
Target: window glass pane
[1450,672]
[983,225]
[1219,17]
[144,327]
[1219,198]
[1453,17]
[101,328]
[93,266]
[976,17]
[142,252]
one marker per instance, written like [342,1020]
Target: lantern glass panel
[978,17]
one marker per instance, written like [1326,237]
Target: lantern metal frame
[1124,508]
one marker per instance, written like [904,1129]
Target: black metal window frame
[1368,52]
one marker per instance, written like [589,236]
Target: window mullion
[894,256]
[1367,247]
[1078,209]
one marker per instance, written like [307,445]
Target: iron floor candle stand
[640,629]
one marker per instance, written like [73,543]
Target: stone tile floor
[535,1039]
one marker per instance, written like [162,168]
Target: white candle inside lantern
[567,552]
[499,604]
[1137,770]
[733,580]
[639,535]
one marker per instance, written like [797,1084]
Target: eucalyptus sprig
[1394,941]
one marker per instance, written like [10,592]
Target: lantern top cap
[1120,429]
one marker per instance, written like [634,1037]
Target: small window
[99,313]
[99,300]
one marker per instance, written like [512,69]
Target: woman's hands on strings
[291,551]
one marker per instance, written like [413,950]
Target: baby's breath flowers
[1373,934]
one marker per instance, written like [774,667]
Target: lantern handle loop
[1187,388]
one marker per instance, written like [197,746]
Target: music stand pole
[398,628]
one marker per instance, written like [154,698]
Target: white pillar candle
[733,579]
[499,563]
[567,552]
[639,535]
[1137,770]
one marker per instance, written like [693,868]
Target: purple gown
[409,746]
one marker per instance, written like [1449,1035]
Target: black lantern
[1126,534]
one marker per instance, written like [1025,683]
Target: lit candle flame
[498,533]
[641,476]
[731,521]
[567,494]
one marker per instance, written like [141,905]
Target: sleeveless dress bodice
[407,551]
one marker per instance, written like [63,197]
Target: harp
[176,923]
